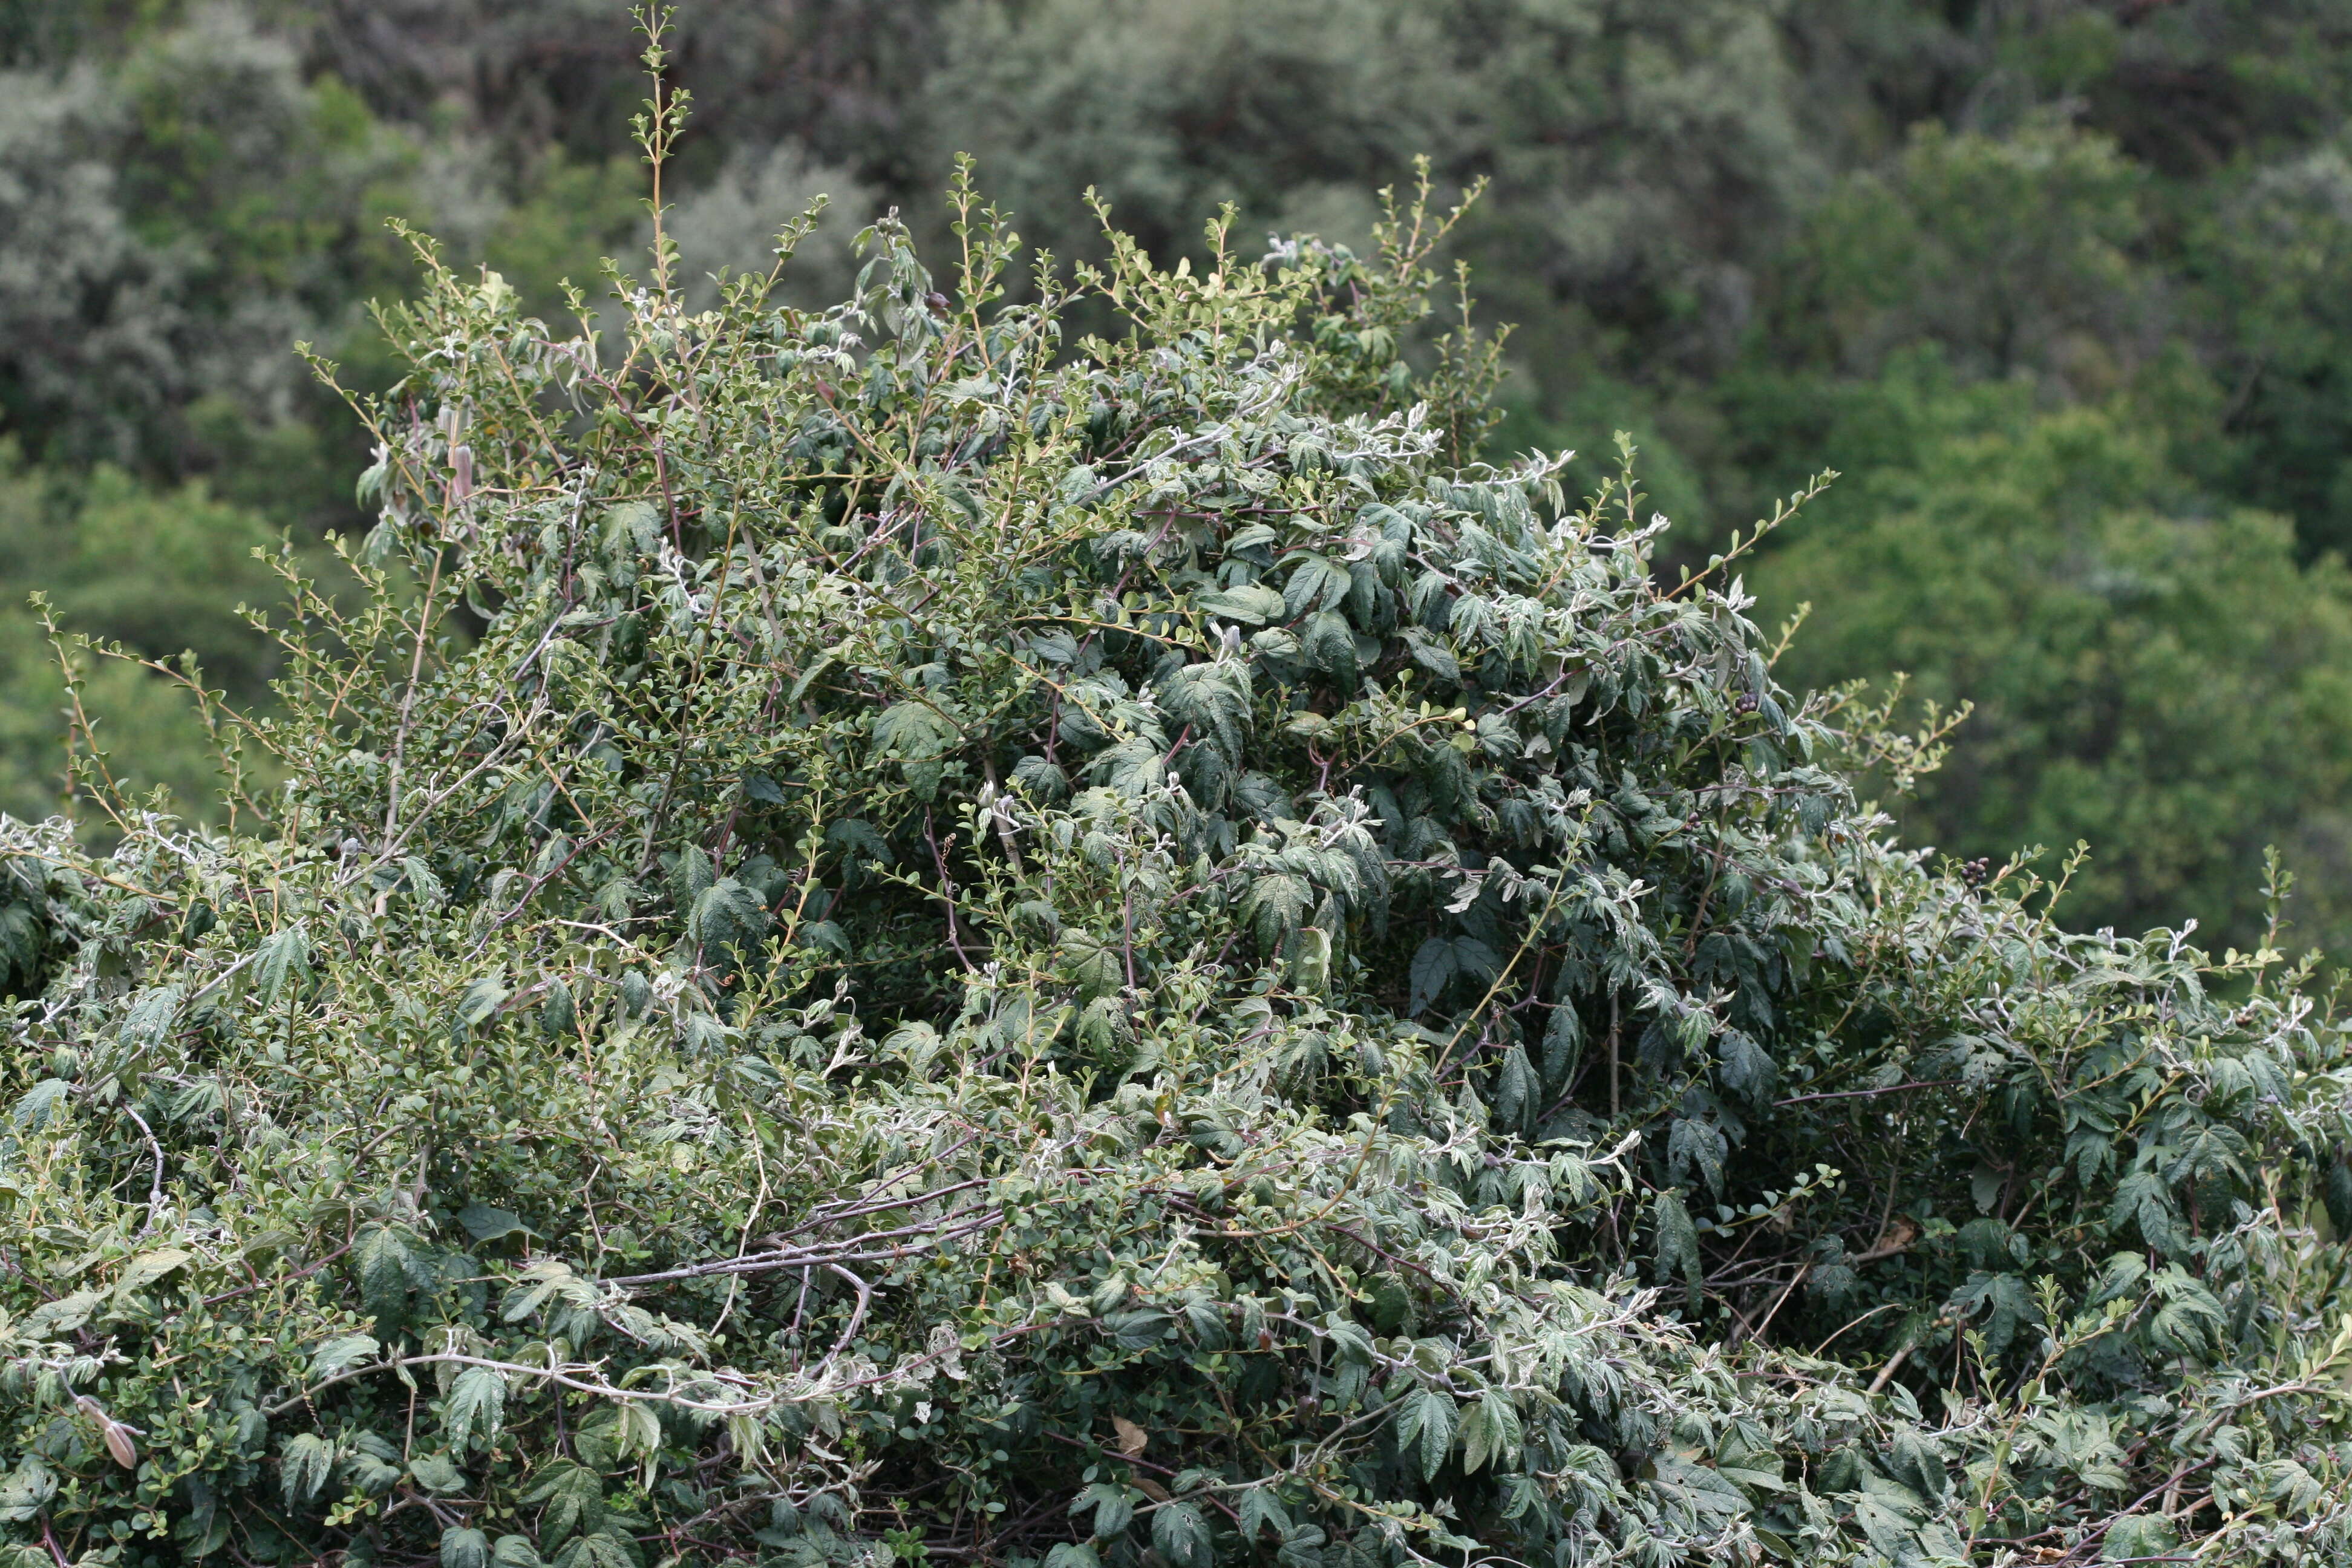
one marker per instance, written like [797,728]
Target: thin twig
[155,1185]
[1870,1093]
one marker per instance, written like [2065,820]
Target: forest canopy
[1055,926]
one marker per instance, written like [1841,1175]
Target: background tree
[2151,671]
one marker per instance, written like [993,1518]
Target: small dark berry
[1747,703]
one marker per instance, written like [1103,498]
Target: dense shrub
[891,935]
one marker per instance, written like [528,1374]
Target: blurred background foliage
[2064,288]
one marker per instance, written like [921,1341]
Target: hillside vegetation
[1903,239]
[903,931]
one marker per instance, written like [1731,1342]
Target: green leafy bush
[1107,952]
